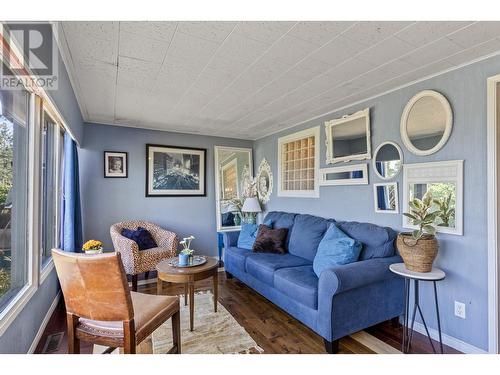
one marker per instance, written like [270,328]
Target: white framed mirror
[348,138]
[231,166]
[356,174]
[444,179]
[387,160]
[426,123]
[386,198]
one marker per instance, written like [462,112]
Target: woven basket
[418,255]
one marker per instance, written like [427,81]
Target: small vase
[183,259]
[237,219]
[93,251]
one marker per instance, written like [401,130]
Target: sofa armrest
[230,238]
[339,279]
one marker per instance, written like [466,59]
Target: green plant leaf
[413,217]
[429,229]
[417,234]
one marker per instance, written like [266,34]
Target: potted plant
[419,248]
[186,254]
[92,247]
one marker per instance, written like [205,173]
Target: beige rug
[214,332]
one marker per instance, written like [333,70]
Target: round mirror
[426,123]
[388,160]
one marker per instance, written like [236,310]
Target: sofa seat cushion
[236,256]
[307,232]
[298,283]
[378,242]
[262,265]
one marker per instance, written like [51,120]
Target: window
[298,162]
[14,254]
[230,180]
[50,144]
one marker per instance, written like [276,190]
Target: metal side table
[435,275]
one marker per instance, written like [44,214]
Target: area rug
[214,332]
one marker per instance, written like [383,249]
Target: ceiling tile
[371,32]
[92,30]
[434,51]
[476,33]
[163,31]
[92,48]
[190,48]
[136,74]
[213,31]
[424,32]
[338,50]
[483,49]
[319,32]
[240,48]
[141,48]
[265,32]
[385,51]
[290,50]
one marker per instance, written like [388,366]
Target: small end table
[188,276]
[435,275]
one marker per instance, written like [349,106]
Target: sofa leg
[228,275]
[395,322]
[331,347]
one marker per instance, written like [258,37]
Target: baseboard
[449,340]
[45,321]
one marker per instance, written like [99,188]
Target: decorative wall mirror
[387,160]
[445,180]
[356,174]
[348,138]
[264,182]
[426,123]
[231,166]
[386,198]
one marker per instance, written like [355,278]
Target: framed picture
[175,171]
[115,164]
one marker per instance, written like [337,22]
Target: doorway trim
[493,154]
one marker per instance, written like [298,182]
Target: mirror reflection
[426,123]
[444,198]
[349,138]
[232,164]
[386,198]
[388,160]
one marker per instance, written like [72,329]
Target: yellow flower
[92,245]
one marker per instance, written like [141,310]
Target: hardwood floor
[273,329]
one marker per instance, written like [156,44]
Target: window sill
[12,310]
[46,270]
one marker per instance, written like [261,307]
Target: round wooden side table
[435,275]
[188,276]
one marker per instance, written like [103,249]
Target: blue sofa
[344,299]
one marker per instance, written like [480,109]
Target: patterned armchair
[135,261]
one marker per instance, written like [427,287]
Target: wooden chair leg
[176,331]
[129,337]
[134,283]
[146,275]
[73,341]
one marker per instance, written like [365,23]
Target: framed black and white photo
[175,171]
[115,164]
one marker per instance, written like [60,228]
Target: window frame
[311,132]
[39,100]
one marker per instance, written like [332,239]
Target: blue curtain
[71,213]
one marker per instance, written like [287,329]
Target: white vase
[93,252]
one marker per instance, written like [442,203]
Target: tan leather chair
[101,309]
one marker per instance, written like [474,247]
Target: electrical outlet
[460,309]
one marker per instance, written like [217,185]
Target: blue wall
[20,334]
[106,201]
[464,258]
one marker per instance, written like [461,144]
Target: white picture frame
[396,198]
[435,172]
[311,193]
[330,127]
[363,168]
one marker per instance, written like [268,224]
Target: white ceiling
[251,79]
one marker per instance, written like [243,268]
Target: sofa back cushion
[378,242]
[307,232]
[279,220]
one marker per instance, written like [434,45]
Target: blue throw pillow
[336,248]
[141,236]
[248,234]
